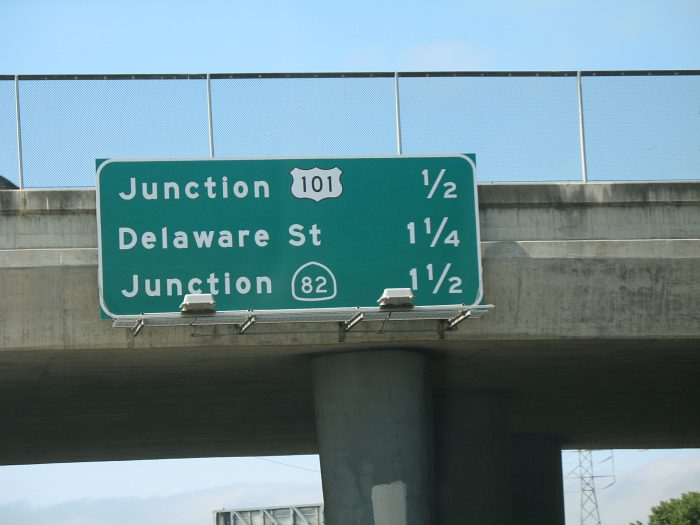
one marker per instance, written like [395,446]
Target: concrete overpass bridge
[594,342]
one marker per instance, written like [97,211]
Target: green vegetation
[682,511]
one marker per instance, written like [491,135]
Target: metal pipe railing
[380,74]
[18,121]
[211,122]
[582,134]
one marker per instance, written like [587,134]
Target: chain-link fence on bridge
[522,126]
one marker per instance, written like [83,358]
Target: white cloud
[51,484]
[439,55]
[445,55]
[373,58]
[189,508]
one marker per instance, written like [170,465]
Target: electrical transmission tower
[590,515]
[584,471]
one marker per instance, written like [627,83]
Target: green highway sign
[286,234]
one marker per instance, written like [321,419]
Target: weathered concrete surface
[594,338]
[374,421]
[47,219]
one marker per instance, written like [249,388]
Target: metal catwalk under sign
[293,515]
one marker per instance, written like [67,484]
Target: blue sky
[178,36]
[130,36]
[493,118]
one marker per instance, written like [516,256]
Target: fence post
[584,169]
[211,123]
[20,165]
[398,113]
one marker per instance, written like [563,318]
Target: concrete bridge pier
[472,452]
[537,490]
[486,476]
[374,423]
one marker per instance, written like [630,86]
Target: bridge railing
[523,126]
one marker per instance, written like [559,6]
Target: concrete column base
[374,421]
